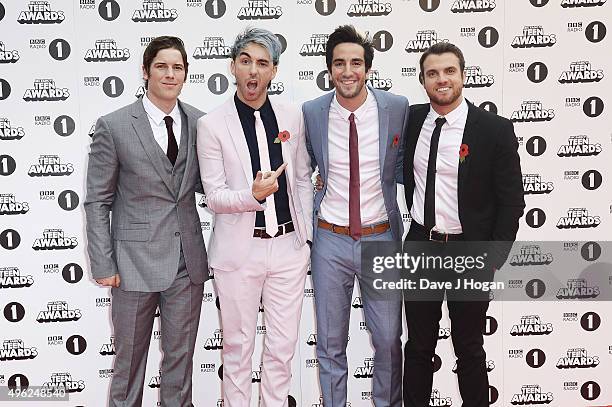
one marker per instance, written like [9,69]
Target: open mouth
[252,85]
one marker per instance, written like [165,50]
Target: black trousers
[468,318]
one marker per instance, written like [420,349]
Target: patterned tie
[172,152]
[430,185]
[264,163]
[354,190]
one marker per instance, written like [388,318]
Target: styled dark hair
[156,45]
[348,33]
[439,49]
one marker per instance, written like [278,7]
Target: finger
[280,170]
[258,176]
[117,280]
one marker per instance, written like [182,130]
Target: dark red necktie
[172,151]
[354,204]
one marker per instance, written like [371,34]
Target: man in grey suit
[354,136]
[143,169]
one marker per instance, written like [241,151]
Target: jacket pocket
[135,235]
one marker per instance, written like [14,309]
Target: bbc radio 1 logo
[423,40]
[472,6]
[58,311]
[108,349]
[10,206]
[531,394]
[45,90]
[215,342]
[577,358]
[531,255]
[65,381]
[531,325]
[154,11]
[40,12]
[55,239]
[474,78]
[533,185]
[315,45]
[579,146]
[50,166]
[212,48]
[259,10]
[208,367]
[312,363]
[366,371]
[532,111]
[369,8]
[14,349]
[8,56]
[10,133]
[533,36]
[375,81]
[581,72]
[10,277]
[578,289]
[106,51]
[438,400]
[582,3]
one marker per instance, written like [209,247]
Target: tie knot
[352,118]
[168,120]
[440,121]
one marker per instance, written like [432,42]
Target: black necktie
[172,146]
[430,185]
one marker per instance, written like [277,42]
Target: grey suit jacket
[392,121]
[152,216]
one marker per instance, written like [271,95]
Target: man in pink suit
[256,175]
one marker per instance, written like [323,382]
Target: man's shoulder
[217,114]
[310,106]
[191,110]
[419,108]
[488,118]
[123,113]
[392,99]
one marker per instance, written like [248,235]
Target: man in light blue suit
[354,136]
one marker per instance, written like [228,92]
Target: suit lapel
[470,137]
[383,128]
[283,122]
[234,127]
[192,129]
[142,128]
[323,131]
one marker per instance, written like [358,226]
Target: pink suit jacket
[227,178]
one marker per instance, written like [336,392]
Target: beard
[445,100]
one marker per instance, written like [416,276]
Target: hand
[112,281]
[319,183]
[266,184]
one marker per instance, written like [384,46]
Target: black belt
[282,229]
[434,235]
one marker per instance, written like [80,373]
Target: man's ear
[421,78]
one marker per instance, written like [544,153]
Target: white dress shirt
[447,169]
[335,205]
[158,125]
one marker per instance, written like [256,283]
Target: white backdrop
[544,63]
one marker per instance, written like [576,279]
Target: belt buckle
[431,232]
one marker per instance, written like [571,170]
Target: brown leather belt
[344,230]
[282,229]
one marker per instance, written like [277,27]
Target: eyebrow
[249,56]
[352,60]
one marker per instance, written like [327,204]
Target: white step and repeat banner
[543,63]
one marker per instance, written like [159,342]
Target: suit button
[177,233]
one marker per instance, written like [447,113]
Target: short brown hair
[348,33]
[156,45]
[439,49]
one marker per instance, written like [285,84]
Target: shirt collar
[248,110]
[452,116]
[360,112]
[156,114]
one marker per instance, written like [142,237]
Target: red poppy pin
[395,140]
[464,151]
[282,137]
